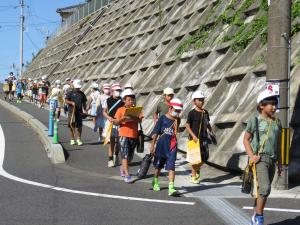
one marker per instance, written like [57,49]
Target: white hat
[77,83]
[176,104]
[29,79]
[68,79]
[57,82]
[198,94]
[116,86]
[106,86]
[128,85]
[168,91]
[94,85]
[44,77]
[127,92]
[265,94]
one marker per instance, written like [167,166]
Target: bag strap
[115,105]
[261,147]
[257,130]
[200,125]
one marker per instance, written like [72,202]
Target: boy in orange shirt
[128,133]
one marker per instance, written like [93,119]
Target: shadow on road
[295,221]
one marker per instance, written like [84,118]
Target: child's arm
[249,150]
[188,128]
[152,148]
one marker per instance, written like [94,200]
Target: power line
[31,41]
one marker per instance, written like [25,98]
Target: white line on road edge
[276,209]
[18,179]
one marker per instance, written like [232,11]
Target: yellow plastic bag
[108,133]
[193,152]
[255,181]
[5,87]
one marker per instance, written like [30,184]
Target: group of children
[108,106]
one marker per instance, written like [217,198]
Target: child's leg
[125,166]
[171,176]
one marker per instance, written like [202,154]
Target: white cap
[57,82]
[106,86]
[176,103]
[68,79]
[127,92]
[77,83]
[168,91]
[116,86]
[128,85]
[94,85]
[198,94]
[44,77]
[29,79]
[265,94]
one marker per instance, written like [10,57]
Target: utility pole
[22,18]
[278,73]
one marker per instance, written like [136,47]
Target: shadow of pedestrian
[295,221]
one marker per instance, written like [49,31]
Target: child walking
[128,133]
[165,153]
[197,125]
[265,151]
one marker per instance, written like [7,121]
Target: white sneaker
[116,160]
[110,163]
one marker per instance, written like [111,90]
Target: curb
[54,151]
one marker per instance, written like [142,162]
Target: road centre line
[33,183]
[276,209]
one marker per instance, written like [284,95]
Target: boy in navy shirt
[166,148]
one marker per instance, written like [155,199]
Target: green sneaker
[172,190]
[155,184]
[72,142]
[79,142]
[195,179]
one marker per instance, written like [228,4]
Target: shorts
[265,170]
[78,120]
[29,93]
[114,132]
[93,110]
[127,146]
[43,97]
[168,162]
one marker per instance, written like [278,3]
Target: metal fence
[81,12]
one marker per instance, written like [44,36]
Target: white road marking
[276,209]
[18,179]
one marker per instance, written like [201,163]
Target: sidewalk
[92,158]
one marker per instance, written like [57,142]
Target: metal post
[22,17]
[278,71]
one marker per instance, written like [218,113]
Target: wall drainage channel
[229,213]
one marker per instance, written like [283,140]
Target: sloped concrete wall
[137,41]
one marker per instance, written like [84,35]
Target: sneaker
[172,191]
[155,184]
[100,140]
[122,172]
[195,179]
[257,220]
[110,163]
[116,160]
[72,142]
[128,179]
[79,142]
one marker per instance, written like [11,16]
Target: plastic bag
[193,152]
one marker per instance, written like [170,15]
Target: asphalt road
[86,170]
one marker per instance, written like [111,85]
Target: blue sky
[40,16]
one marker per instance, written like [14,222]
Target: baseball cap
[127,92]
[77,83]
[116,86]
[128,85]
[106,86]
[198,94]
[94,85]
[176,103]
[168,91]
[265,94]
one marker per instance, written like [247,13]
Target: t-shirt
[19,87]
[42,88]
[167,141]
[271,141]
[110,102]
[128,128]
[78,97]
[194,118]
[162,109]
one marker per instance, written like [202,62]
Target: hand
[195,138]
[73,103]
[152,151]
[255,158]
[110,119]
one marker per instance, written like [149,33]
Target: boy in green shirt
[263,151]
